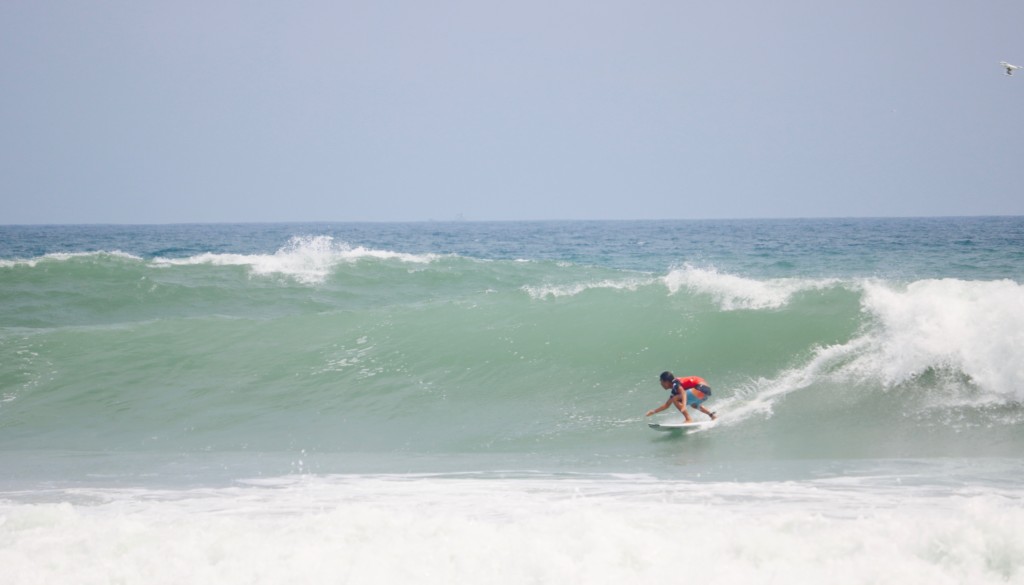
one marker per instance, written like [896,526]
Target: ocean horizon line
[499,221]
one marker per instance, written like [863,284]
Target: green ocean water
[531,345]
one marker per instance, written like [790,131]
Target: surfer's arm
[660,408]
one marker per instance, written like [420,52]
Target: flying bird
[1009,68]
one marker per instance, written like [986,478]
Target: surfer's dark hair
[667,376]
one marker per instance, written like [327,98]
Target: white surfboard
[683,425]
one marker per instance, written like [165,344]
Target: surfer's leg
[681,405]
[698,403]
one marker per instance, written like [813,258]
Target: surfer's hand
[649,413]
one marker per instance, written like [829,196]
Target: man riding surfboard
[689,391]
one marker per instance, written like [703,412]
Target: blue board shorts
[692,400]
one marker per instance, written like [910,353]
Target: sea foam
[539,292]
[306,259]
[972,327]
[429,530]
[735,292]
[729,291]
[969,332]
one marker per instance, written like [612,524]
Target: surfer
[690,391]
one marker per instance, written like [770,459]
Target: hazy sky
[211,111]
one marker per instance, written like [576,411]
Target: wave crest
[737,293]
[968,334]
[540,292]
[67,257]
[307,259]
[976,328]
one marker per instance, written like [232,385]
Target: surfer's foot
[713,415]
